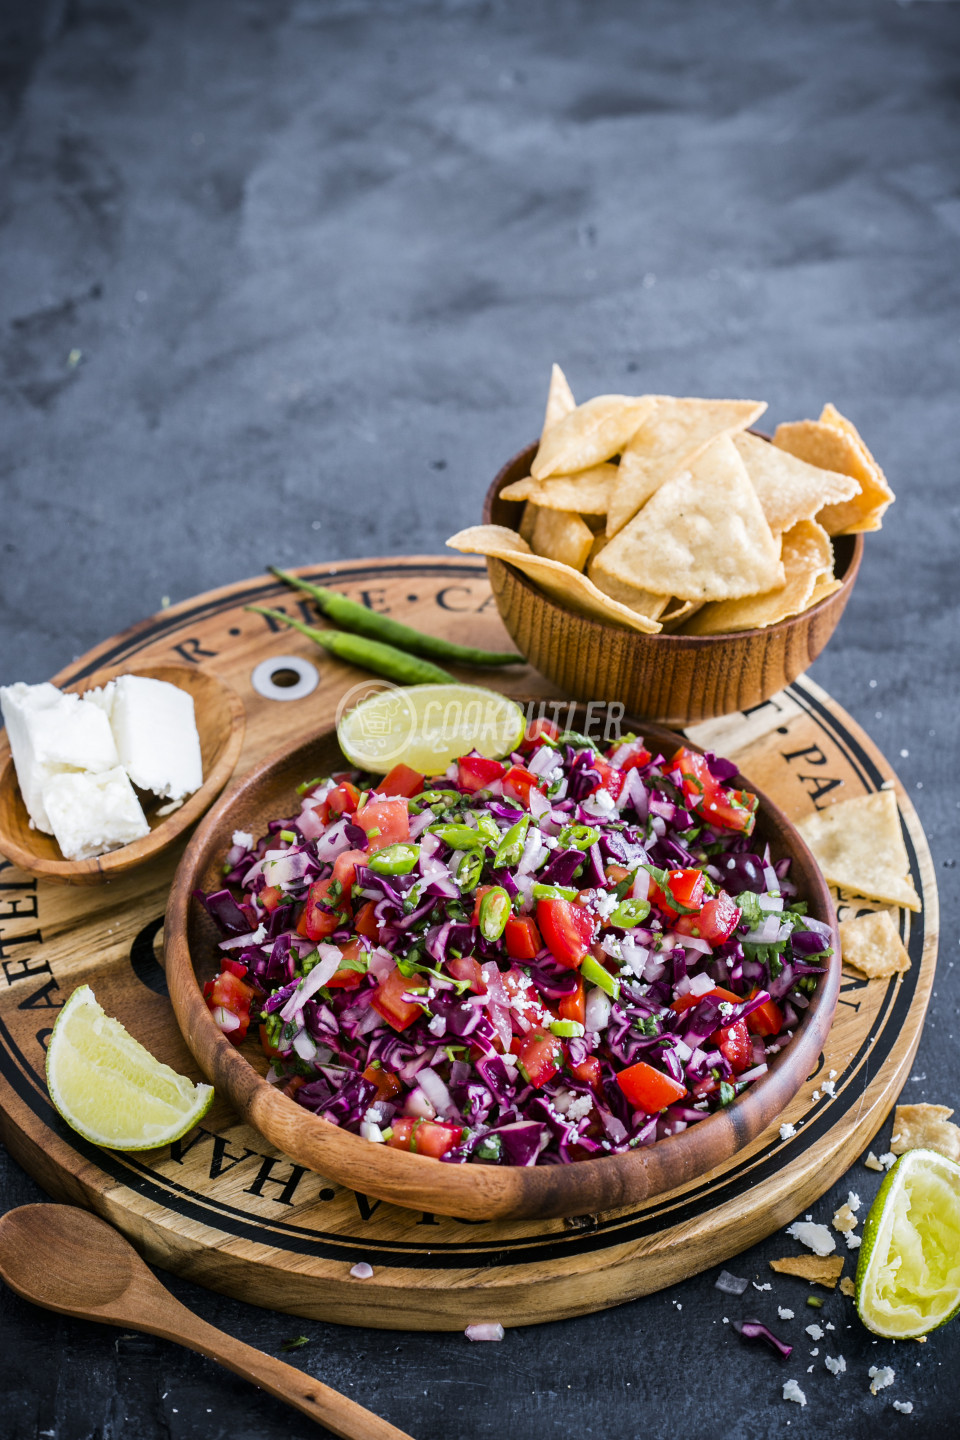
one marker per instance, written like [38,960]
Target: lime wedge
[908,1273]
[427,726]
[110,1089]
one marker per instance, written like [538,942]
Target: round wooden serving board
[226,1210]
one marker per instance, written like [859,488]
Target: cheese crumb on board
[880,1377]
[792,1391]
[816,1237]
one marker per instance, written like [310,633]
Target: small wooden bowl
[677,679]
[221,723]
[470,1192]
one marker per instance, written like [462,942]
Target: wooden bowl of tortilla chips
[698,575]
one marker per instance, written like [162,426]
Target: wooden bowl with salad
[601,998]
[675,678]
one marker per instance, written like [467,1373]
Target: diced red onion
[484,1331]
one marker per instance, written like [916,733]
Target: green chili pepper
[815,1302]
[394,859]
[487,827]
[593,971]
[578,837]
[510,849]
[494,913]
[354,616]
[289,836]
[458,837]
[629,913]
[369,654]
[311,784]
[554,892]
[469,870]
[567,1029]
[727,1092]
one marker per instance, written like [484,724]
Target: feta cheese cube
[50,732]
[156,733]
[92,813]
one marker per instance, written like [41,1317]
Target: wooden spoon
[70,1261]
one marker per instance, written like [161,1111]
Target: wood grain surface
[485,1192]
[672,678]
[226,1209]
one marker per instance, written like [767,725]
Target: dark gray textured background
[281,280]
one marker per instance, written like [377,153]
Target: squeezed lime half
[108,1086]
[908,1272]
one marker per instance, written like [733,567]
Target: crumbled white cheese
[787,1131]
[784,1313]
[880,1377]
[766,1286]
[792,1391]
[904,1406]
[579,1106]
[828,1088]
[815,1350]
[835,1366]
[816,1095]
[816,1237]
[814,1331]
[90,814]
[888,1160]
[853,1241]
[599,804]
[243,838]
[853,1200]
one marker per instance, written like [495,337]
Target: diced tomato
[347,978]
[424,1137]
[686,1002]
[734,1044]
[611,778]
[706,1087]
[616,873]
[716,922]
[236,967]
[228,992]
[767,1019]
[466,968]
[293,1085]
[540,1055]
[388,999]
[589,1071]
[683,894]
[567,929]
[345,867]
[342,800]
[270,897]
[518,783]
[388,1085]
[649,1090]
[637,758]
[366,921]
[574,1006]
[522,938]
[476,772]
[536,730]
[401,780]
[526,1009]
[315,922]
[478,895]
[720,806]
[269,1050]
[386,822]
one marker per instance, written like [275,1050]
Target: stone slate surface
[282,281]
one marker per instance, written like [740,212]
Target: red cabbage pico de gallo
[544,959]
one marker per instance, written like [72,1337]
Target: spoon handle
[337,1412]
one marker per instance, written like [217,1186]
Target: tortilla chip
[675,432]
[830,415]
[587,492]
[790,489]
[527,521]
[825,585]
[834,449]
[871,944]
[925,1127]
[560,400]
[569,588]
[858,845]
[562,536]
[643,601]
[676,613]
[806,555]
[844,1221]
[819,1270]
[594,432]
[847,1287]
[702,536]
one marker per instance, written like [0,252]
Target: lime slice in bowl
[110,1089]
[427,726]
[908,1272]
